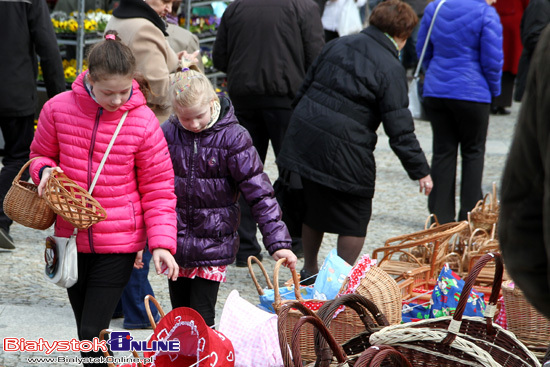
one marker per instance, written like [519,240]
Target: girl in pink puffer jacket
[136,185]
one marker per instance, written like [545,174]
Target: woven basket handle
[281,326]
[375,355]
[102,334]
[359,304]
[277,296]
[18,177]
[253,276]
[427,224]
[323,330]
[148,298]
[468,285]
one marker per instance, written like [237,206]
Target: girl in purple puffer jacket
[214,161]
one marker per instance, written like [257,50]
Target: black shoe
[6,242]
[244,263]
[499,111]
[306,278]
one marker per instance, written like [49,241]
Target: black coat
[27,30]
[355,84]
[524,221]
[266,47]
[535,17]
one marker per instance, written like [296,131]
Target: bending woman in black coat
[355,84]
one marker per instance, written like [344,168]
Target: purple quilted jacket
[211,168]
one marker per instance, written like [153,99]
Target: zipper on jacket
[90,166]
[190,181]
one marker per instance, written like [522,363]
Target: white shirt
[331,14]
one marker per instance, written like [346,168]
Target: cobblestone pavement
[32,308]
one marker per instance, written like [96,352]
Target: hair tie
[110,37]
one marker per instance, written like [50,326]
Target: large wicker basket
[72,202]
[377,286]
[23,205]
[529,325]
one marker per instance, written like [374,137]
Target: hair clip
[110,37]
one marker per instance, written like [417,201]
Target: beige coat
[155,59]
[180,39]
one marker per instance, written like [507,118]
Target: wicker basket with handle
[72,202]
[23,205]
[374,356]
[459,340]
[529,325]
[485,213]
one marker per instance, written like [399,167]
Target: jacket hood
[89,106]
[139,9]
[227,117]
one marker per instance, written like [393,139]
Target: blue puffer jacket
[464,55]
[211,168]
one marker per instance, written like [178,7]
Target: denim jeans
[131,303]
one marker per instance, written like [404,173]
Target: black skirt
[333,211]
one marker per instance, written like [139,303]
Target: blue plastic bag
[447,293]
[331,276]
[286,293]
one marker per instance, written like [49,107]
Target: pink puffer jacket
[136,186]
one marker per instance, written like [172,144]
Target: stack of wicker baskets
[485,214]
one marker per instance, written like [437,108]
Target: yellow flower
[72,25]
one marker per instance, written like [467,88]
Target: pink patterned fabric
[501,319]
[215,273]
[252,331]
[358,272]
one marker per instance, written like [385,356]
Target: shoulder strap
[111,143]
[417,71]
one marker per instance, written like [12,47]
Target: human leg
[276,121]
[441,200]
[311,240]
[198,293]
[18,133]
[474,122]
[101,281]
[350,247]
[133,305]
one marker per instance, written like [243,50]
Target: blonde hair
[190,87]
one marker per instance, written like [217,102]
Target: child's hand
[291,259]
[190,58]
[46,173]
[164,256]
[138,262]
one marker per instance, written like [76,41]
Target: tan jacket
[155,59]
[180,39]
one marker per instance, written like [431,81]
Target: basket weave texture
[485,214]
[529,325]
[23,205]
[72,202]
[378,287]
[457,340]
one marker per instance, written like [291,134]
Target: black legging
[456,123]
[198,293]
[101,280]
